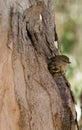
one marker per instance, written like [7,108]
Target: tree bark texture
[30,98]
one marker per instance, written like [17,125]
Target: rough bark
[30,98]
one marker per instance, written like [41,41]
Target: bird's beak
[69,62]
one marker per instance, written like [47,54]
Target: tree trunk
[30,98]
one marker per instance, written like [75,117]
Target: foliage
[68,38]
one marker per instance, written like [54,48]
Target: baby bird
[57,65]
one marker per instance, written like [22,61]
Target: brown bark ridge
[31,99]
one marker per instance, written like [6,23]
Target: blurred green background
[69,28]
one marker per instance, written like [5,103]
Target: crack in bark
[23,112]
